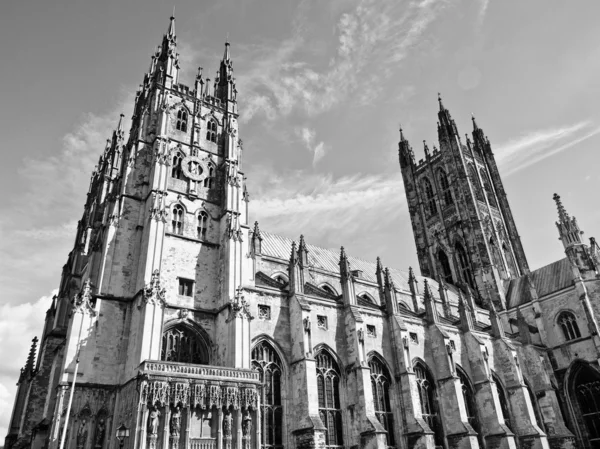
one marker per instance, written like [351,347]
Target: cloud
[307,136]
[326,206]
[536,146]
[372,40]
[18,325]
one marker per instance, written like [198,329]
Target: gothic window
[266,361]
[176,171]
[366,297]
[330,410]
[503,402]
[208,181]
[177,220]
[475,183]
[181,344]
[427,397]
[445,186]
[470,404]
[328,289]
[182,119]
[534,403]
[587,393]
[380,384]
[568,324]
[430,198]
[445,267]
[211,131]
[202,225]
[465,267]
[488,188]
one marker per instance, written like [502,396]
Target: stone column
[219,428]
[142,429]
[166,437]
[188,419]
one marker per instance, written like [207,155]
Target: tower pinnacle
[568,229]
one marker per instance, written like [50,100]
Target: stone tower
[462,223]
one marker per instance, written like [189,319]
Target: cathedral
[180,324]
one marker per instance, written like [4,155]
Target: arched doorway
[584,395]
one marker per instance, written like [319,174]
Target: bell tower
[463,227]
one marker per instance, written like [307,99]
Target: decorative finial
[440,101]
[475,127]
[562,212]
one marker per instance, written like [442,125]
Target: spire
[379,272]
[426,149]
[224,82]
[431,312]
[475,127]
[440,102]
[568,229]
[446,125]
[344,264]
[227,55]
[389,292]
[29,366]
[466,317]
[405,152]
[303,253]
[296,272]
[346,279]
[171,30]
[256,241]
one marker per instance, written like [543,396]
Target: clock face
[194,168]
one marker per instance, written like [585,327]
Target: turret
[165,62]
[446,125]
[568,229]
[225,82]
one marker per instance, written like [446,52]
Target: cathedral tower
[463,226]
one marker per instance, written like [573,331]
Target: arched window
[534,404]
[445,186]
[211,131]
[328,289]
[208,181]
[177,220]
[465,267]
[445,267]
[488,188]
[430,199]
[568,324]
[380,384]
[176,171]
[266,361]
[202,225]
[427,397]
[475,183]
[586,389]
[181,344]
[503,402]
[182,119]
[366,297]
[282,279]
[330,410]
[470,404]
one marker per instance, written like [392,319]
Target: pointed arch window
[475,183]
[330,410]
[470,404]
[465,267]
[208,181]
[445,186]
[176,171]
[445,267]
[182,120]
[380,384]
[487,185]
[568,324]
[211,130]
[183,345]
[503,402]
[427,397]
[202,225]
[177,220]
[430,198]
[328,289]
[266,361]
[587,393]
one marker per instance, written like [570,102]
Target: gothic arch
[180,104]
[427,387]
[276,347]
[176,202]
[503,397]
[566,321]
[367,296]
[280,275]
[468,392]
[582,383]
[325,347]
[202,338]
[327,286]
[373,354]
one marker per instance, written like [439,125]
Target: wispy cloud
[536,146]
[307,136]
[371,39]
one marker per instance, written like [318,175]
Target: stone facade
[179,321]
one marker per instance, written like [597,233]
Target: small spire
[426,148]
[199,74]
[120,125]
[29,366]
[227,55]
[402,139]
[562,212]
[379,265]
[303,252]
[475,127]
[440,101]
[294,254]
[171,31]
[430,308]
[256,231]
[343,254]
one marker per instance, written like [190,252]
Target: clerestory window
[380,384]
[177,220]
[330,410]
[568,324]
[182,120]
[176,171]
[211,131]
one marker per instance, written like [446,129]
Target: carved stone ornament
[153,292]
[239,307]
[361,335]
[194,168]
[82,302]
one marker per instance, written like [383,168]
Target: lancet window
[182,120]
[503,403]
[380,384]
[465,267]
[181,344]
[568,324]
[208,181]
[430,198]
[211,131]
[445,186]
[488,189]
[445,267]
[470,404]
[475,183]
[266,361]
[427,397]
[177,220]
[202,225]
[587,393]
[176,171]
[330,410]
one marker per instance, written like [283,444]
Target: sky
[323,88]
